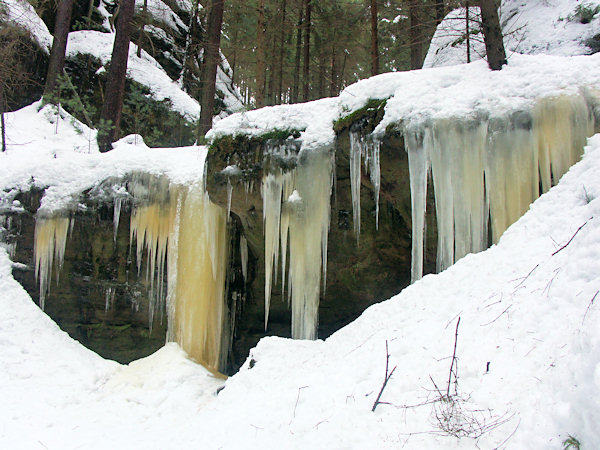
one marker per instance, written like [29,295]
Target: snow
[532,27]
[21,13]
[527,312]
[417,97]
[144,69]
[69,162]
[528,350]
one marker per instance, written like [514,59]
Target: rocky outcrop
[360,272]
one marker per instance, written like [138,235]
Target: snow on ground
[533,27]
[528,349]
[69,162]
[465,91]
[21,13]
[144,69]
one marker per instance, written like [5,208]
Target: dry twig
[386,379]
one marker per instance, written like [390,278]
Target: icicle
[116,216]
[355,156]
[288,189]
[244,257]
[271,191]
[309,223]
[229,193]
[375,175]
[418,168]
[49,248]
[296,208]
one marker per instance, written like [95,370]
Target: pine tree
[110,117]
[492,34]
[59,46]
[212,56]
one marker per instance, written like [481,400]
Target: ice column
[418,169]
[490,170]
[297,208]
[369,149]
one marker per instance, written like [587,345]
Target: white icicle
[418,168]
[355,156]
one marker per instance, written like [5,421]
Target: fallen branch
[499,315]
[524,279]
[387,376]
[573,237]
[589,306]
[452,364]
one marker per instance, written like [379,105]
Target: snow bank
[56,151]
[467,91]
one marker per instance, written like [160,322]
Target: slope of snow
[528,349]
[532,27]
[145,70]
[21,13]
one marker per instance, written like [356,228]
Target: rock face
[359,272]
[100,300]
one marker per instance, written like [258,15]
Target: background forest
[284,51]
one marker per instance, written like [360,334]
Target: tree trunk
[281,52]
[440,11]
[211,62]
[142,25]
[374,43]
[492,34]
[110,117]
[2,123]
[296,85]
[468,30]
[306,74]
[416,46]
[333,83]
[59,46]
[260,55]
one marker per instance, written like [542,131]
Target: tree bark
[416,45]
[260,55]
[2,123]
[333,90]
[440,11]
[211,61]
[468,30]
[59,47]
[306,71]
[492,34]
[374,41]
[110,116]
[281,52]
[296,85]
[142,25]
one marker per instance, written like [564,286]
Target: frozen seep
[296,207]
[189,234]
[179,233]
[490,171]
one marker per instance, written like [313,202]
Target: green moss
[244,143]
[372,112]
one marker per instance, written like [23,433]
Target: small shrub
[571,443]
[584,13]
